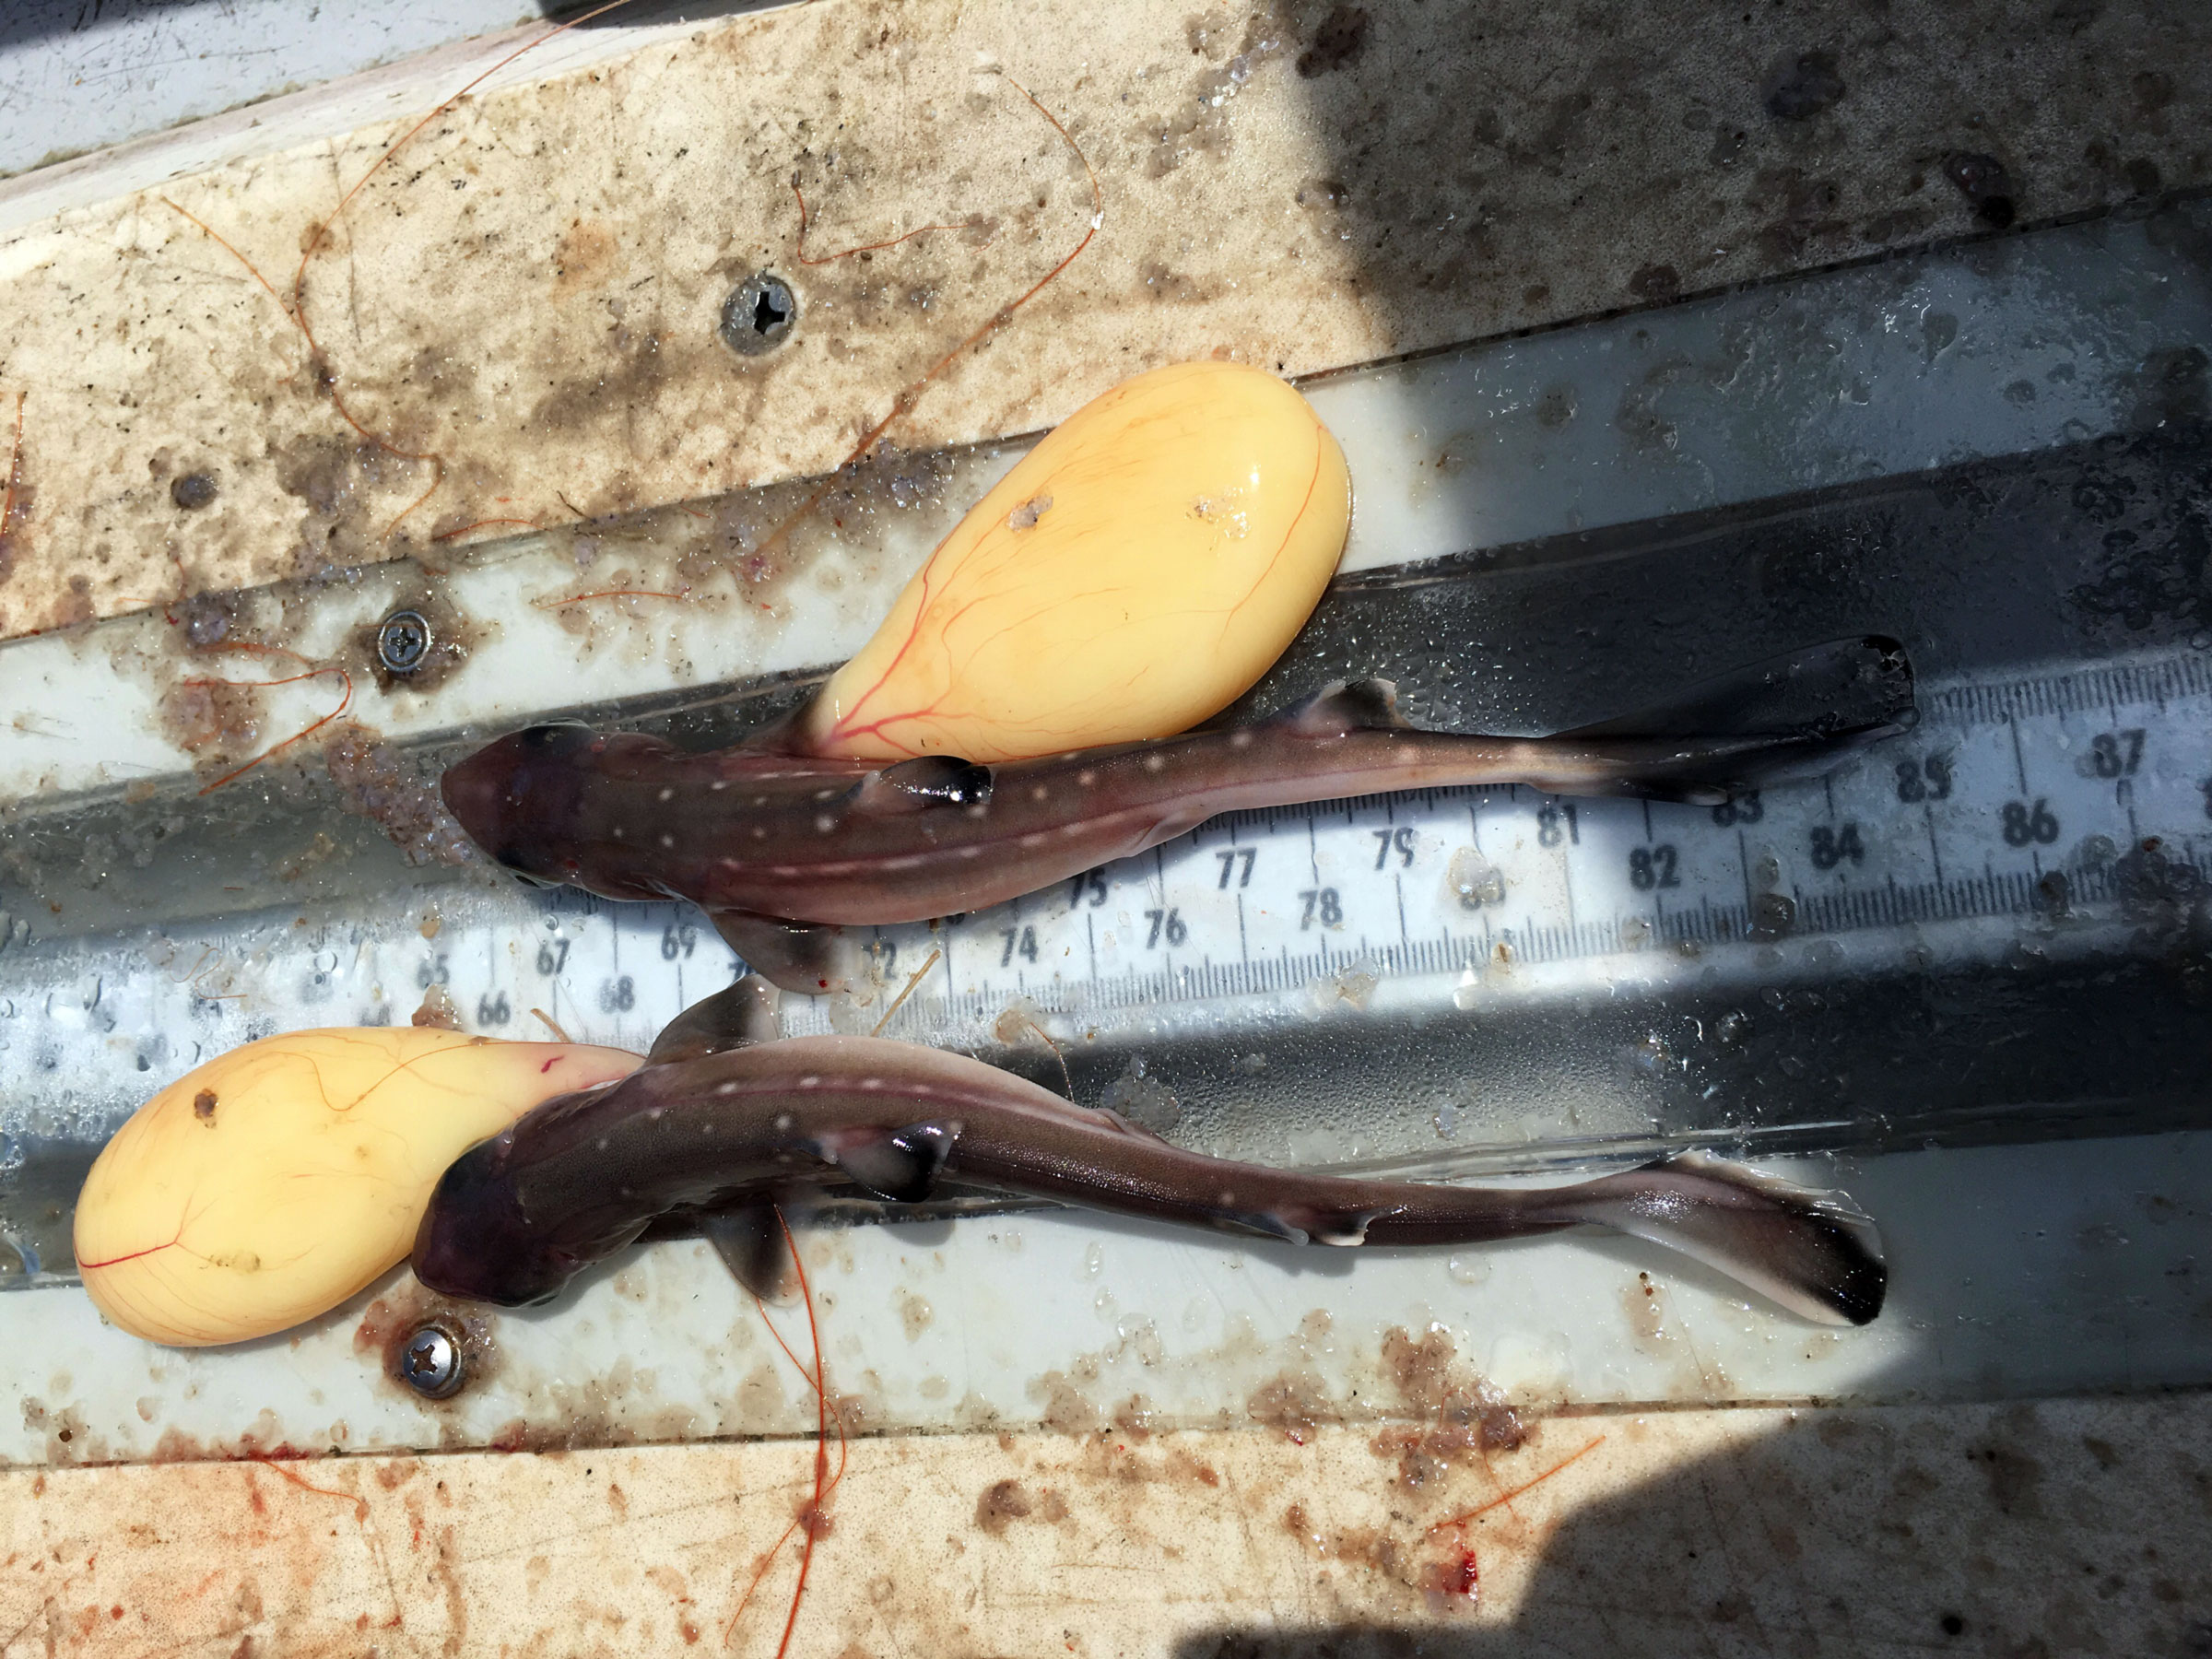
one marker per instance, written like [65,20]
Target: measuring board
[2057,800]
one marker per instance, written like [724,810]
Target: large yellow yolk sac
[1134,574]
[276,1180]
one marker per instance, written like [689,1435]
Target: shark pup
[721,1127]
[783,849]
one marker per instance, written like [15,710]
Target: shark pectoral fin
[813,958]
[735,1017]
[1368,705]
[1346,1229]
[1122,1125]
[1266,1224]
[754,1246]
[932,781]
[899,1165]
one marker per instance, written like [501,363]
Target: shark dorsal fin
[743,1015]
[1366,705]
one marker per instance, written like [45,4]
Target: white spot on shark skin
[907,863]
[667,840]
[1072,829]
[603,1143]
[1033,840]
[760,800]
[823,823]
[782,1120]
[723,1089]
[1154,763]
[653,1116]
[617,833]
[759,831]
[1040,793]
[1239,740]
[823,795]
[667,795]
[871,1082]
[810,1081]
[731,863]
[972,851]
[1229,1199]
[719,785]
[1087,777]
[980,811]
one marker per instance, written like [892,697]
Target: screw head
[429,1363]
[403,642]
[760,315]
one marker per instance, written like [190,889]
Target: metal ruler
[2068,796]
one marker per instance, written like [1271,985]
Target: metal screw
[760,315]
[403,642]
[430,1363]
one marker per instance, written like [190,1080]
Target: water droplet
[1468,1267]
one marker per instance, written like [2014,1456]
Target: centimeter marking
[2048,799]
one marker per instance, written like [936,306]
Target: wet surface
[1706,1531]
[502,341]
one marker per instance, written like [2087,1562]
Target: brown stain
[1006,1502]
[1002,1503]
[583,257]
[1067,1410]
[445,1571]
[1452,1417]
[347,489]
[17,496]
[219,726]
[398,794]
[437,1009]
[1295,1404]
[202,1107]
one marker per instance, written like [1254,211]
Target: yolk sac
[1133,574]
[277,1180]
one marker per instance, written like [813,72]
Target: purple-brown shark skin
[758,836]
[583,1175]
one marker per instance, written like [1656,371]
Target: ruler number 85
[1925,780]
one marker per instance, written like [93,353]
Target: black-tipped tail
[1812,1253]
